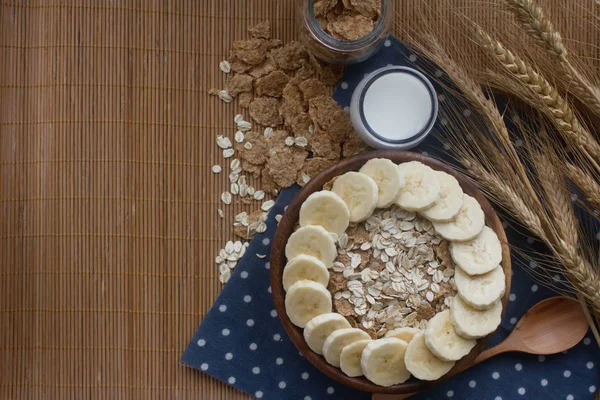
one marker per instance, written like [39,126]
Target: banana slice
[327,209]
[405,334]
[466,225]
[382,362]
[320,327]
[388,178]
[337,340]
[480,255]
[481,291]
[471,323]
[422,363]
[304,267]
[451,198]
[305,300]
[350,358]
[313,240]
[442,340]
[359,192]
[421,187]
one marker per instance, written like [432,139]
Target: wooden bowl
[278,261]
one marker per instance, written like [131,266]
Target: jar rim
[347,45]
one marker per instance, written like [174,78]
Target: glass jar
[335,51]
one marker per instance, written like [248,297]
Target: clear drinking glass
[332,50]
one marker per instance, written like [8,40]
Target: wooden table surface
[108,208]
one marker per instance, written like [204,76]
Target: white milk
[397,105]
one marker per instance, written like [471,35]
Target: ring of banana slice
[451,334]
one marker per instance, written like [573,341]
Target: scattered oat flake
[259,195]
[278,217]
[235,164]
[267,205]
[225,96]
[224,277]
[260,255]
[225,66]
[239,136]
[235,188]
[220,212]
[216,169]
[227,153]
[289,141]
[226,197]
[244,126]
[268,132]
[223,142]
[251,190]
[248,146]
[261,228]
[238,118]
[301,141]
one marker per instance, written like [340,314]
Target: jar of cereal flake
[344,32]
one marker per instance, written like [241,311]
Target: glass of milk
[394,108]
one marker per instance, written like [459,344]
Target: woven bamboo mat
[108,223]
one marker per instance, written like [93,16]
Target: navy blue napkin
[241,341]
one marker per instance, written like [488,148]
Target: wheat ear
[562,114]
[587,184]
[557,197]
[532,18]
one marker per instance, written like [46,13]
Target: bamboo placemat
[108,222]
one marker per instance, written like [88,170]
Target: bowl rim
[278,260]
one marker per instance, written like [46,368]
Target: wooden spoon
[551,326]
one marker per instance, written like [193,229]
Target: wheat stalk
[562,114]
[532,18]
[588,185]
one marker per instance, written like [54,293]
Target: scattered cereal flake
[259,195]
[245,99]
[272,84]
[289,141]
[312,88]
[264,110]
[288,112]
[313,166]
[354,145]
[239,83]
[239,136]
[263,69]
[251,51]
[284,164]
[221,213]
[235,188]
[225,66]
[293,96]
[216,169]
[329,74]
[251,191]
[227,153]
[323,145]
[329,116]
[268,182]
[235,164]
[223,142]
[248,229]
[258,150]
[252,168]
[268,132]
[277,139]
[267,205]
[238,118]
[226,198]
[261,30]
[290,56]
[301,124]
